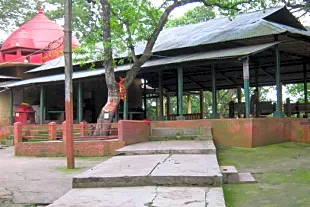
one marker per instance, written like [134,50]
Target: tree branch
[147,53]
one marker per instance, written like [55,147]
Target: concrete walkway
[33,180]
[158,175]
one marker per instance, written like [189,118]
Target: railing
[173,117]
[296,108]
[52,131]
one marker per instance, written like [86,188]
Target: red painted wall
[131,132]
[57,149]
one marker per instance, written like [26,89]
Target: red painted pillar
[83,129]
[120,130]
[18,132]
[52,133]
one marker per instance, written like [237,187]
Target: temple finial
[41,7]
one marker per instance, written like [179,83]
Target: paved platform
[169,147]
[148,170]
[143,196]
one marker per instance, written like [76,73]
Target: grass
[282,172]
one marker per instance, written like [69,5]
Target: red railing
[53,131]
[173,117]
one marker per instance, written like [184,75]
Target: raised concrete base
[173,132]
[230,174]
[143,196]
[246,178]
[169,147]
[148,170]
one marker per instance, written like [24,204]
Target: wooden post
[289,109]
[239,91]
[161,96]
[42,104]
[305,88]
[18,132]
[52,132]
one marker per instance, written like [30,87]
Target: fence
[53,131]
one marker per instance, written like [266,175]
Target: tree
[126,23]
[196,15]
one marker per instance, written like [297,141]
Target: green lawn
[282,172]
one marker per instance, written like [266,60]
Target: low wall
[131,132]
[57,148]
[249,132]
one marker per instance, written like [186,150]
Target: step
[181,132]
[184,137]
[169,147]
[230,174]
[143,196]
[148,170]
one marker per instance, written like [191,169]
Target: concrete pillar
[180,94]
[214,97]
[161,96]
[168,105]
[201,104]
[305,87]
[52,131]
[125,109]
[189,104]
[80,102]
[18,132]
[11,107]
[42,104]
[246,80]
[278,112]
[145,99]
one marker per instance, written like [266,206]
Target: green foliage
[196,15]
[296,92]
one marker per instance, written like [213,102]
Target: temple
[255,49]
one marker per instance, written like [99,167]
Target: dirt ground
[281,170]
[29,180]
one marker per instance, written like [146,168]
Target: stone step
[231,176]
[143,196]
[148,170]
[184,137]
[181,132]
[169,147]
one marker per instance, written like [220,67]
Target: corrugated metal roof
[55,78]
[218,54]
[4,77]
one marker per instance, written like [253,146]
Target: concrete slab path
[142,197]
[143,170]
[33,180]
[169,147]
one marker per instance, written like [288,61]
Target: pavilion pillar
[42,104]
[180,94]
[145,99]
[214,98]
[305,87]
[246,86]
[278,112]
[125,107]
[168,106]
[11,107]
[80,102]
[201,104]
[256,102]
[239,98]
[189,104]
[161,96]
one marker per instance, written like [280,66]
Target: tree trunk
[107,113]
